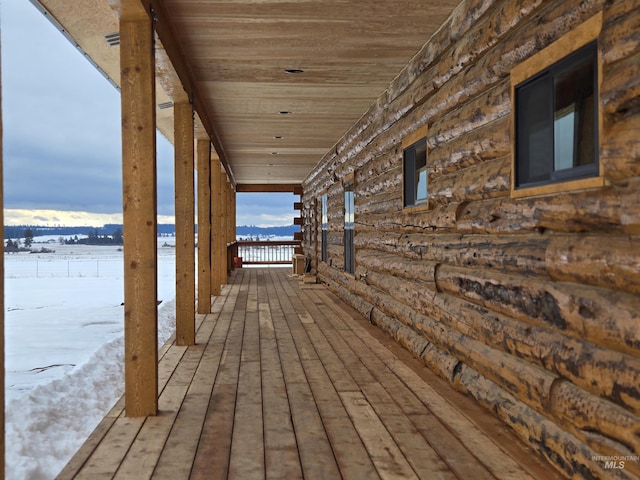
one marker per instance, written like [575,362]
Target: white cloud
[62,141]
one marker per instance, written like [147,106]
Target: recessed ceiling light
[284,112]
[293,71]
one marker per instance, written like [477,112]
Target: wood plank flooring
[288,382]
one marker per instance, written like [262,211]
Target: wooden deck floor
[286,382]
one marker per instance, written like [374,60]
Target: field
[63,337]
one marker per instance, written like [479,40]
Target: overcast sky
[62,147]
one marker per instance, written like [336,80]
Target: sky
[62,147]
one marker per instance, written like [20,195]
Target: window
[349,207]
[414,172]
[556,115]
[556,121]
[325,223]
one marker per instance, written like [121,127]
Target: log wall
[529,305]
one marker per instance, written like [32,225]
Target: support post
[2,447]
[228,230]
[215,226]
[137,73]
[204,225]
[222,222]
[185,211]
[233,220]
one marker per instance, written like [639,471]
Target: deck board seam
[333,342]
[277,279]
[382,352]
[379,377]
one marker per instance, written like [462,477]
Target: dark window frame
[414,164]
[324,219]
[349,226]
[546,83]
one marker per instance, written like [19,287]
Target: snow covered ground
[64,348]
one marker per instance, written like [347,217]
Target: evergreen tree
[117,236]
[28,237]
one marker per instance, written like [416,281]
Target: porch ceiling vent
[113,39]
[164,105]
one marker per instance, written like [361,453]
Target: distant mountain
[285,231]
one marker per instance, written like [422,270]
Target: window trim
[408,141]
[580,36]
[349,181]
[324,227]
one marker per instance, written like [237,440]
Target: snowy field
[64,348]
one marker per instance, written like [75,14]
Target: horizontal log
[487,142]
[337,281]
[600,316]
[412,295]
[519,253]
[607,209]
[485,33]
[402,334]
[349,142]
[381,203]
[485,180]
[602,260]
[547,349]
[620,88]
[561,448]
[614,11]
[615,429]
[389,181]
[335,256]
[613,423]
[439,218]
[383,241]
[620,148]
[335,238]
[405,268]
[491,106]
[531,390]
[428,54]
[378,165]
[529,383]
[619,37]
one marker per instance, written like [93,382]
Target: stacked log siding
[531,305]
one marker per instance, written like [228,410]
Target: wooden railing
[267,252]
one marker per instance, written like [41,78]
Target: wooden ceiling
[237,53]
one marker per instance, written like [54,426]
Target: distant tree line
[164,230]
[17,231]
[95,238]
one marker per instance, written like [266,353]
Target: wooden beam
[167,34]
[266,187]
[216,208]
[185,211]
[137,70]
[204,225]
